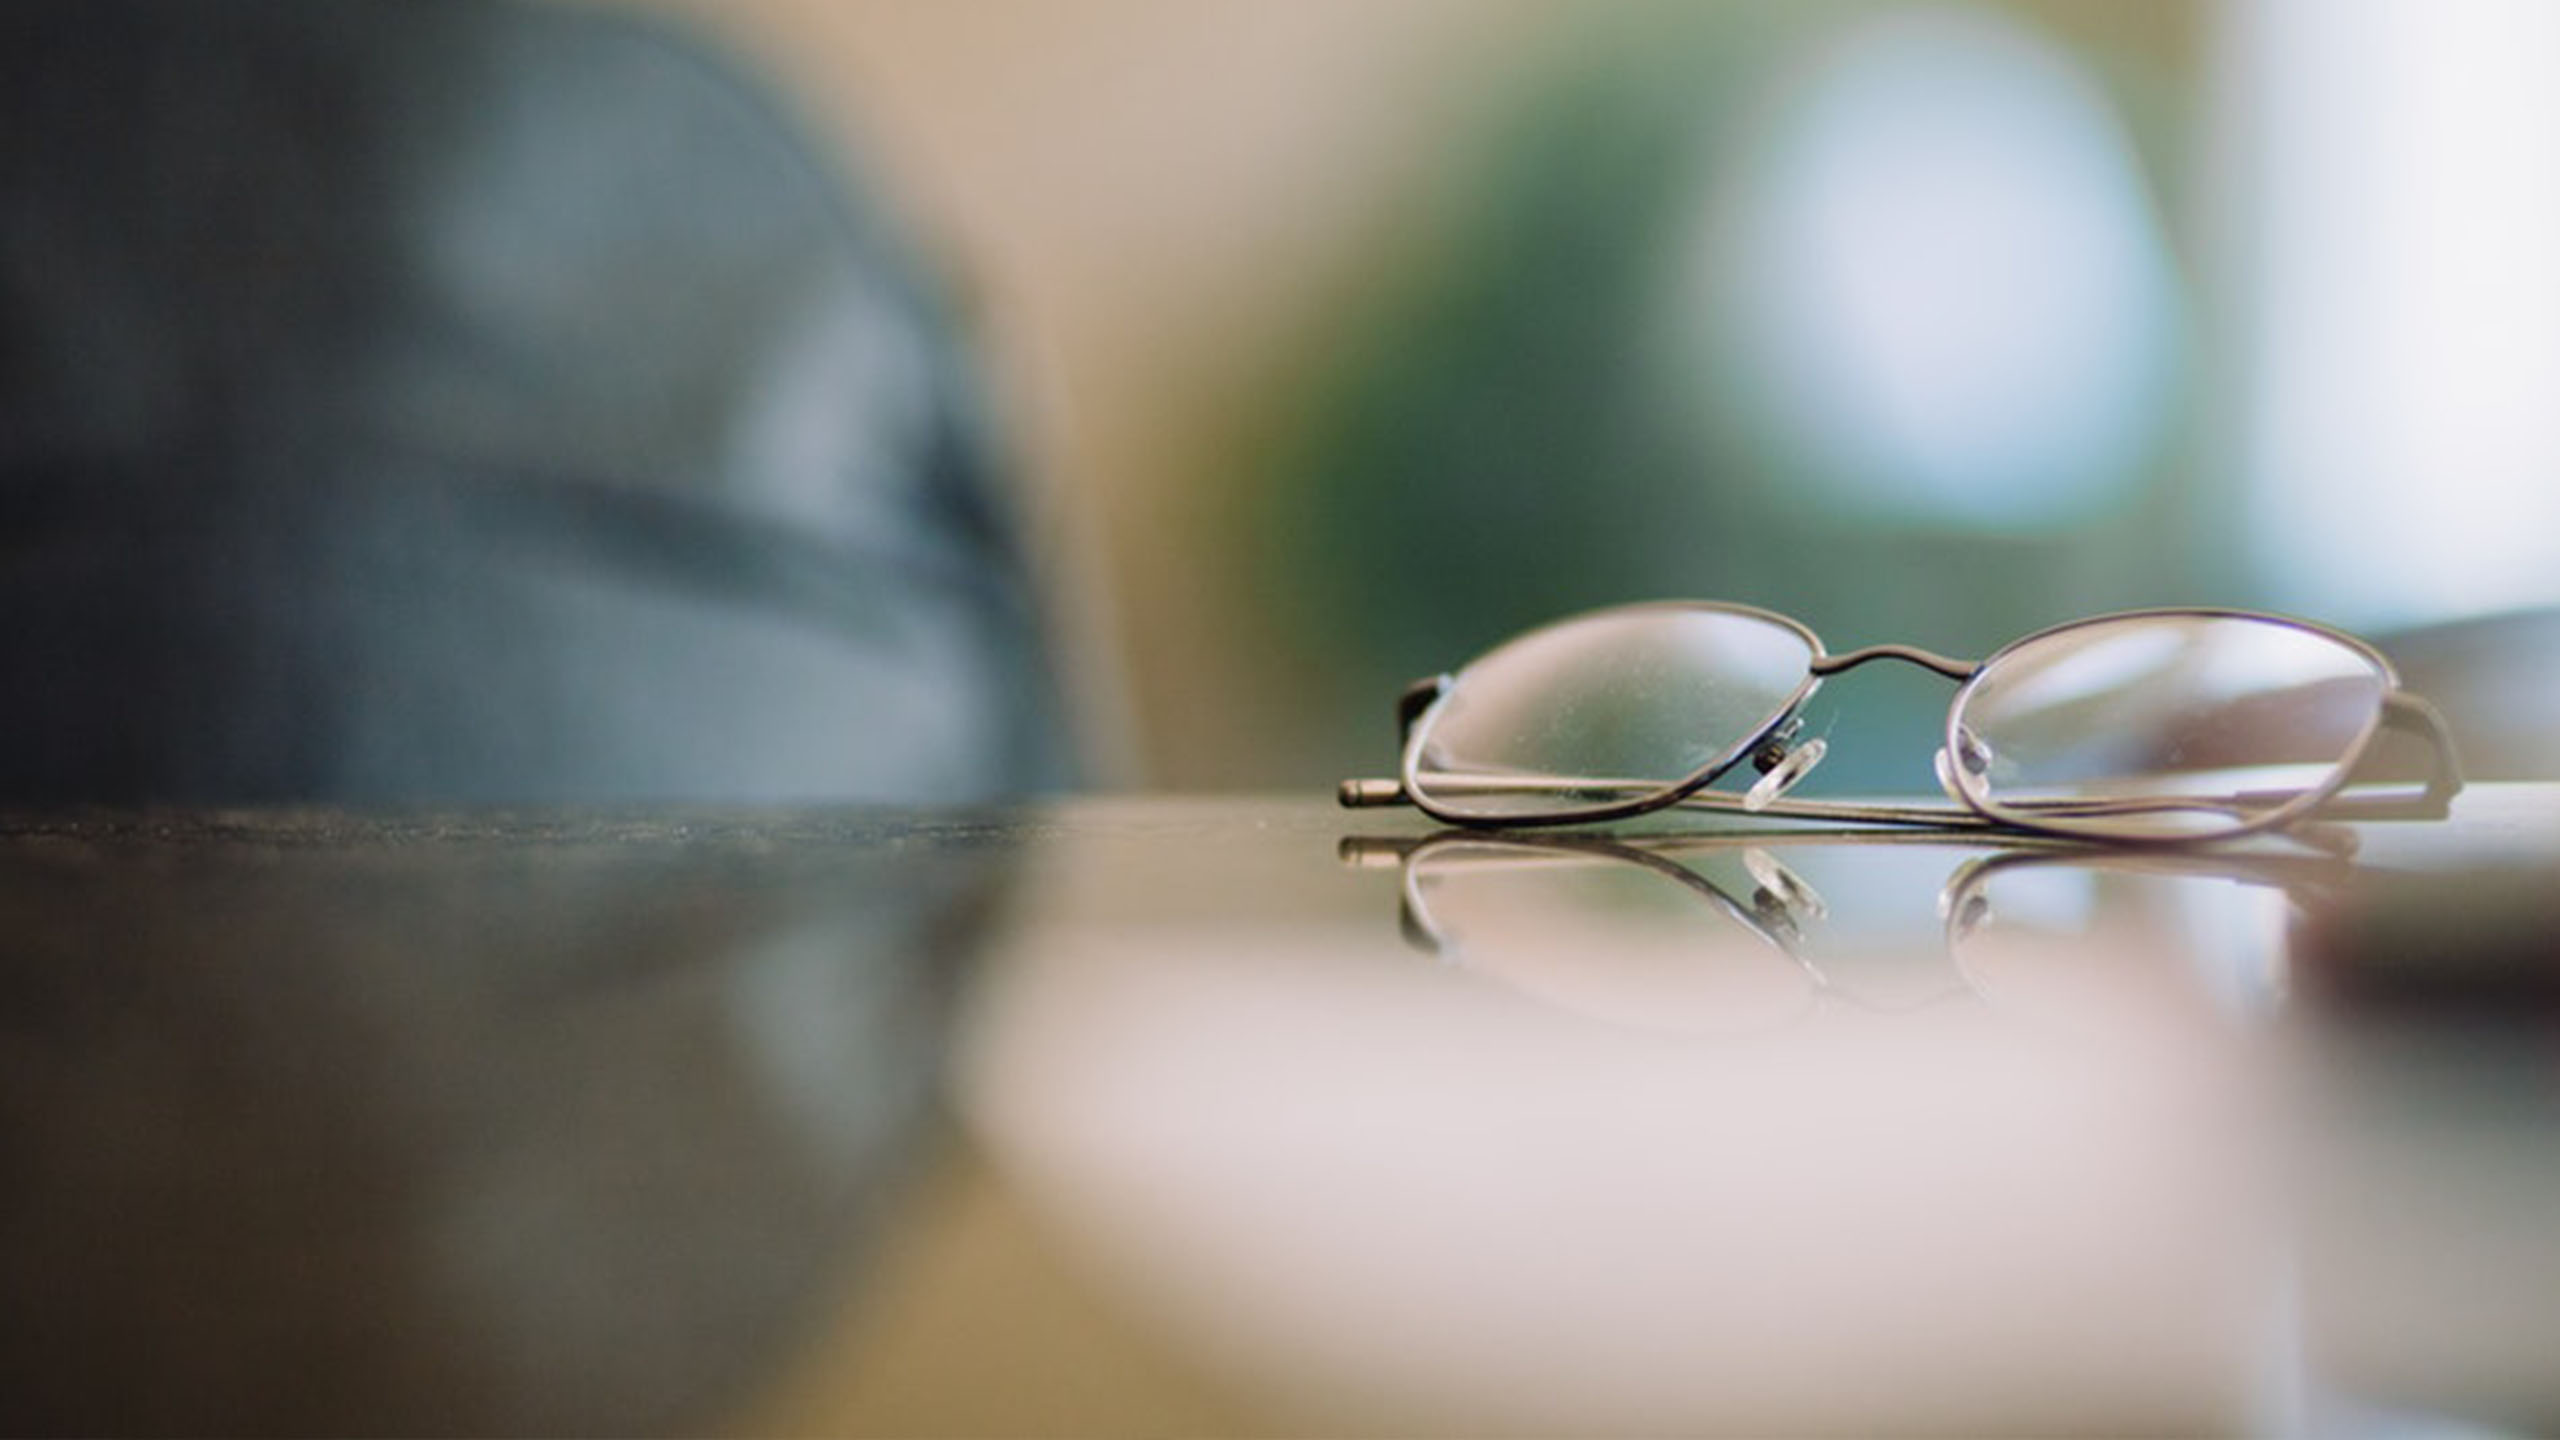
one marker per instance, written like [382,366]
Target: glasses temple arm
[2414,716]
[1417,698]
[1373,794]
[2431,803]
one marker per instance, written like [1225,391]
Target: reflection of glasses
[1712,933]
[1689,935]
[2151,725]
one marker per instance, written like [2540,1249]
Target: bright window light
[2392,189]
[1954,294]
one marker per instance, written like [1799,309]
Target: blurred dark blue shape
[475,401]
[318,1124]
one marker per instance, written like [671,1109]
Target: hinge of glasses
[1417,697]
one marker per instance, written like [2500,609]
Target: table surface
[1254,1116]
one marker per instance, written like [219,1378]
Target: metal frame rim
[2275,819]
[1672,792]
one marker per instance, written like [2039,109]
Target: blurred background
[1340,338]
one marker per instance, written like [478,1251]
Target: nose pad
[1782,890]
[1785,770]
[1947,777]
[1970,915]
[1976,760]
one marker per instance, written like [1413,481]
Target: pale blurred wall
[1151,206]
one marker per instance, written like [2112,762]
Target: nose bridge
[1908,654]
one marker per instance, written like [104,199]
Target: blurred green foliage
[1514,427]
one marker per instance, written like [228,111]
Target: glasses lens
[2172,726]
[1606,709]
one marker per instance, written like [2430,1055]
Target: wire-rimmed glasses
[2174,725]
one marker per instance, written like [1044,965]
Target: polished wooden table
[1252,1116]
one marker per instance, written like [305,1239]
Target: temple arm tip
[1367,794]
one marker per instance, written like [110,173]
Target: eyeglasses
[2152,725]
